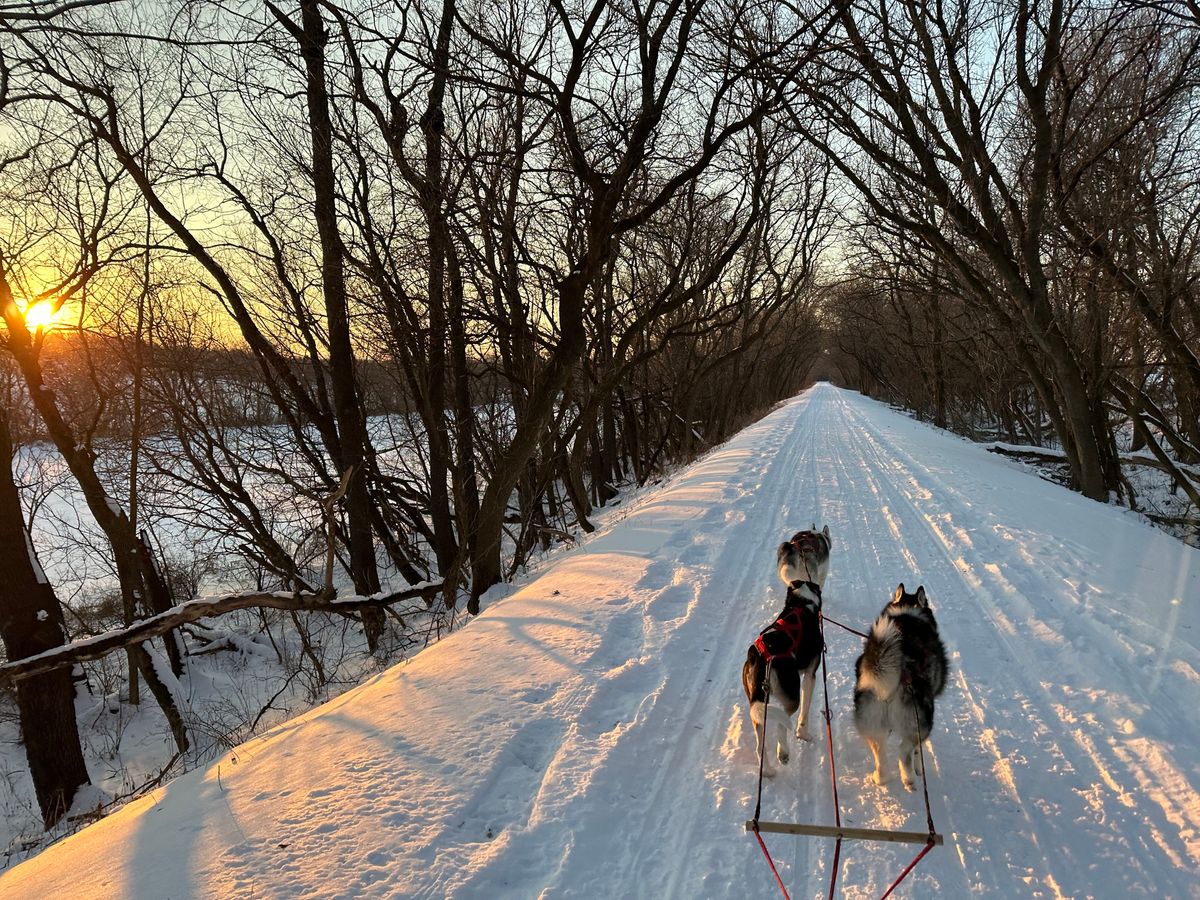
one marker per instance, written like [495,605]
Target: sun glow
[39,315]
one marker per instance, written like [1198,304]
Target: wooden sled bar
[850,834]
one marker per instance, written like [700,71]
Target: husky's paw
[784,756]
[918,766]
[909,784]
[803,733]
[878,777]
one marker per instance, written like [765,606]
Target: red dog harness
[782,637]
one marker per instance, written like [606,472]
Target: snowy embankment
[587,736]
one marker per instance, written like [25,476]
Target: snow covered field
[587,736]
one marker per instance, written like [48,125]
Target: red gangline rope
[771,862]
[929,846]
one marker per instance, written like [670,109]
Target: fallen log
[1023,453]
[102,644]
[1049,456]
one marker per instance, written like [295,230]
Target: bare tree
[31,622]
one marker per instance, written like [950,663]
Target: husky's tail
[754,673]
[882,660]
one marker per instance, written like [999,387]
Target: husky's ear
[825,531]
[813,527]
[921,598]
[899,595]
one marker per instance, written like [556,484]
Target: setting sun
[40,314]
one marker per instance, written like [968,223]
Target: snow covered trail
[588,736]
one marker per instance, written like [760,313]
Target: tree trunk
[1086,449]
[572,479]
[351,421]
[630,434]
[433,125]
[31,621]
[613,464]
[466,495]
[135,442]
[939,358]
[159,599]
[538,411]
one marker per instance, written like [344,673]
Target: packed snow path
[587,736]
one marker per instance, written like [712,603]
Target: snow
[1155,492]
[587,735]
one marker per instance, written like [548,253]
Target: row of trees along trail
[1028,256]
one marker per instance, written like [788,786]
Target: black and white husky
[901,670]
[792,643]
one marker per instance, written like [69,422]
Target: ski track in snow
[588,736]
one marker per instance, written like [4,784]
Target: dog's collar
[812,586]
